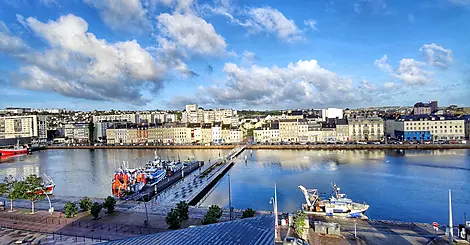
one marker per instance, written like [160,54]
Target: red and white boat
[15,151]
[48,187]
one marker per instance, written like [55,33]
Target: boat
[17,150]
[336,205]
[127,182]
[49,186]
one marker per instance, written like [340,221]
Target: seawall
[284,147]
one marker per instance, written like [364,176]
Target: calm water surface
[82,172]
[408,186]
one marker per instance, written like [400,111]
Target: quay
[150,191]
[284,147]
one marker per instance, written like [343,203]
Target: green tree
[33,189]
[173,219]
[216,210]
[299,222]
[109,204]
[183,209]
[95,210]
[248,213]
[70,209]
[85,204]
[209,218]
[11,190]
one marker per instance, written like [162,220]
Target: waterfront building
[217,132]
[289,130]
[100,130]
[130,117]
[206,133]
[328,131]
[332,113]
[366,128]
[314,131]
[180,133]
[342,130]
[267,133]
[77,132]
[426,127]
[236,135]
[466,119]
[168,134]
[142,134]
[31,126]
[302,134]
[421,108]
[225,133]
[195,132]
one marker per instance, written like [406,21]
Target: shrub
[95,210]
[183,209]
[248,213]
[85,204]
[299,222]
[109,204]
[70,209]
[217,211]
[209,218]
[173,219]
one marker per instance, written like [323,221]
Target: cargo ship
[336,205]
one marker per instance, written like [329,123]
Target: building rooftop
[251,231]
[425,117]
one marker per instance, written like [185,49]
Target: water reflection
[400,185]
[89,172]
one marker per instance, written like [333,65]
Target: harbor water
[398,185]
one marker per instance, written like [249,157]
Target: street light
[273,201]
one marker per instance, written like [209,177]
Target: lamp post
[273,201]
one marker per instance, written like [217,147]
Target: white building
[130,117]
[31,126]
[217,133]
[236,136]
[77,132]
[268,133]
[331,113]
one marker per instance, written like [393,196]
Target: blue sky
[162,54]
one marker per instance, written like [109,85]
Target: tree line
[31,188]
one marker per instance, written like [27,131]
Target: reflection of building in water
[25,170]
[416,153]
[295,158]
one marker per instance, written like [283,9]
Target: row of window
[427,123]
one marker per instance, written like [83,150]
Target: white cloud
[437,55]
[192,32]
[270,20]
[390,85]
[127,15]
[382,64]
[178,5]
[411,72]
[77,64]
[10,44]
[300,84]
[248,58]
[312,24]
[48,2]
[366,85]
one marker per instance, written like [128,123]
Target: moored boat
[336,205]
[17,150]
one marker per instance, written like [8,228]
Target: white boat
[337,205]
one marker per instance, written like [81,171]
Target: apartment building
[289,130]
[217,132]
[427,127]
[77,132]
[267,133]
[466,118]
[31,126]
[342,130]
[130,117]
[206,133]
[180,133]
[236,135]
[302,133]
[366,128]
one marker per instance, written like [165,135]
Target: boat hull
[13,152]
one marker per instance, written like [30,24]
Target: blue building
[413,135]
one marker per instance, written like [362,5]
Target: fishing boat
[336,205]
[17,150]
[48,185]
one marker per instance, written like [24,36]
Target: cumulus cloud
[78,64]
[366,85]
[382,64]
[303,83]
[437,55]
[248,58]
[178,5]
[192,33]
[127,15]
[272,21]
[412,72]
